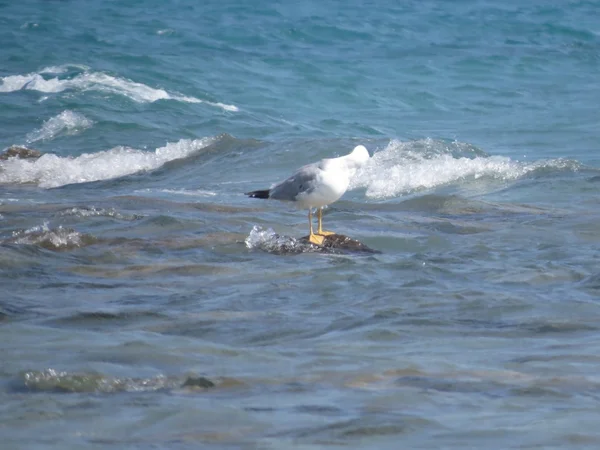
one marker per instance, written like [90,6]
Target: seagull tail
[258,194]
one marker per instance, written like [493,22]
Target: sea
[147,303]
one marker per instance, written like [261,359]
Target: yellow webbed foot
[315,239]
[325,233]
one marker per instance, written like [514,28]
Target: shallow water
[147,303]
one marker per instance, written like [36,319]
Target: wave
[53,239]
[406,167]
[69,121]
[51,171]
[83,79]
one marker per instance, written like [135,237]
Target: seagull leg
[313,238]
[320,231]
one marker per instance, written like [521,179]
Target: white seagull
[316,185]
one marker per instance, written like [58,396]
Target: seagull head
[359,155]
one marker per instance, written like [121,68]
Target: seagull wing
[303,181]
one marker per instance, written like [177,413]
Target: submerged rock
[193,382]
[269,241]
[341,243]
[17,151]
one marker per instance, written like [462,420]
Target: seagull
[316,185]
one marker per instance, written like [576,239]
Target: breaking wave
[406,167]
[50,171]
[63,78]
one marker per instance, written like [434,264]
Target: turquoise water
[131,263]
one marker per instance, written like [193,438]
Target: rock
[339,243]
[193,382]
[16,151]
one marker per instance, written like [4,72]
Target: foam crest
[68,121]
[405,167]
[95,81]
[51,171]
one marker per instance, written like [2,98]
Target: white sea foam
[224,106]
[95,81]
[50,171]
[70,122]
[405,167]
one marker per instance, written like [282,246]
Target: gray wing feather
[303,181]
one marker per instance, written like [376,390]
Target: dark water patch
[141,202]
[492,384]
[221,208]
[14,257]
[144,270]
[450,212]
[321,410]
[369,425]
[259,409]
[591,282]
[84,286]
[486,388]
[207,240]
[451,226]
[435,203]
[101,320]
[162,221]
[544,392]
[14,308]
[4,315]
[557,327]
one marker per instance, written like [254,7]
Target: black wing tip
[258,194]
